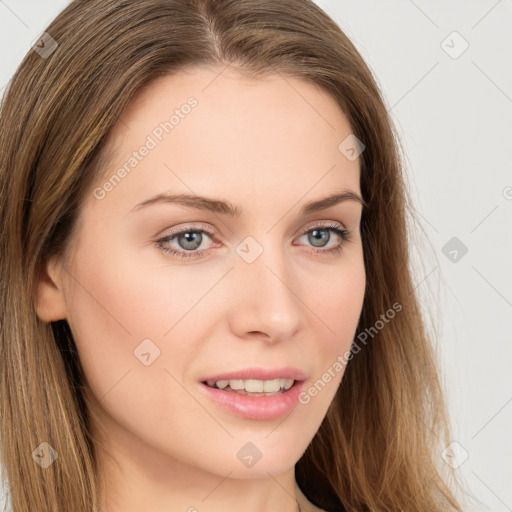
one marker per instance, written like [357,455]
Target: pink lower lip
[256,407]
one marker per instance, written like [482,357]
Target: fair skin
[268,146]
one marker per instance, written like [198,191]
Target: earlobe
[49,300]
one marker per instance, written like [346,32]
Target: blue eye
[190,238]
[317,234]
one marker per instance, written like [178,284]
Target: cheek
[119,319]
[336,307]
[127,299]
[337,300]
[129,317]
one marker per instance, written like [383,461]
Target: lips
[255,406]
[258,373]
[260,406]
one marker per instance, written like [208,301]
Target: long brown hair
[379,446]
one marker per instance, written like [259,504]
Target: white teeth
[270,386]
[253,385]
[288,383]
[236,384]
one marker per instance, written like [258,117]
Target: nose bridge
[268,302]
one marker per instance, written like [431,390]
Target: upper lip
[255,373]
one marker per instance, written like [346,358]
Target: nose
[266,298]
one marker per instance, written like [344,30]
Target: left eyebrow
[226,208]
[327,202]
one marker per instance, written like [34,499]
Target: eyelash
[344,234]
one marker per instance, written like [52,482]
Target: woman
[206,293]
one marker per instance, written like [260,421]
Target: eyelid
[318,223]
[300,231]
[189,227]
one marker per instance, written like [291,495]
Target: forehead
[213,131]
[230,91]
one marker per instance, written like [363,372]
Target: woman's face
[261,289]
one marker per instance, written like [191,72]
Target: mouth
[257,393]
[267,398]
[253,387]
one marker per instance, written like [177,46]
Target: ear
[49,301]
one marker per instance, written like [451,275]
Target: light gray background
[454,115]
